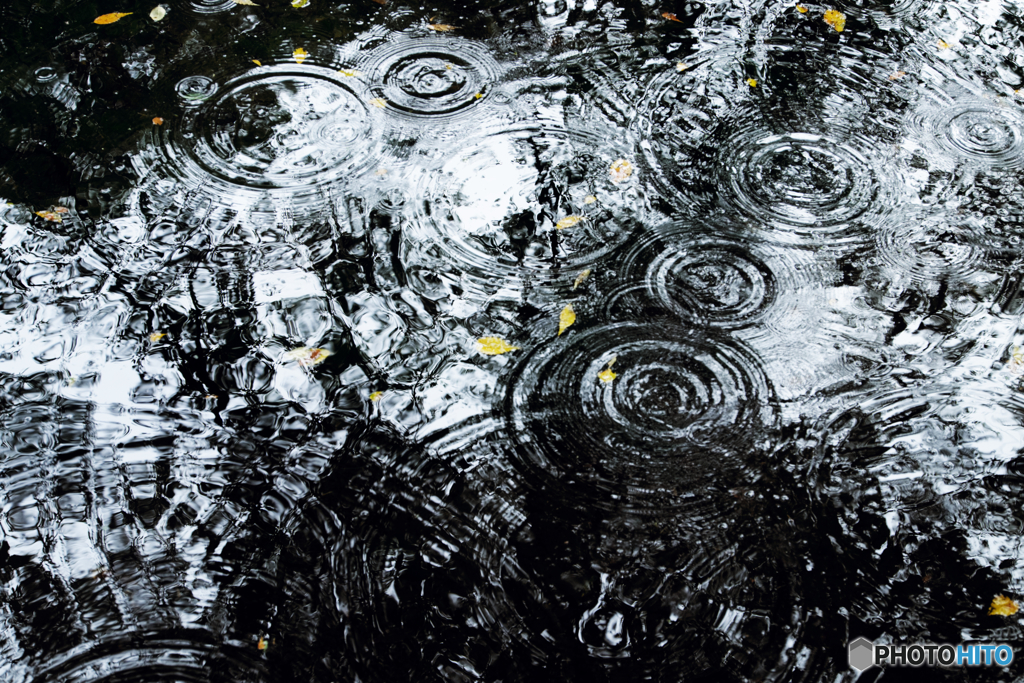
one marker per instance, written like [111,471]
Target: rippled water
[759,286]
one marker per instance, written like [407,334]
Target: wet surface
[756,284]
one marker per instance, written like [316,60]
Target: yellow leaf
[897,75]
[379,102]
[801,9]
[441,27]
[589,199]
[478,96]
[157,121]
[1002,606]
[257,62]
[111,18]
[580,278]
[682,67]
[158,13]
[308,356]
[300,55]
[250,3]
[262,644]
[943,45]
[670,17]
[351,73]
[494,346]
[157,336]
[607,375]
[621,170]
[51,216]
[375,396]
[567,318]
[300,3]
[752,82]
[569,221]
[836,20]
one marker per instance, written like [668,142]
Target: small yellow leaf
[681,66]
[158,13]
[376,396]
[835,19]
[567,318]
[257,62]
[379,102]
[300,55]
[494,346]
[580,278]
[478,96]
[943,45]
[752,82]
[308,356]
[621,170]
[801,9]
[157,121]
[441,27]
[607,375]
[351,73]
[897,75]
[262,644]
[250,3]
[157,336]
[111,18]
[569,221]
[1002,606]
[589,199]
[670,17]
[51,216]
[300,3]
[1016,364]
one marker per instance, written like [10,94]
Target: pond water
[568,340]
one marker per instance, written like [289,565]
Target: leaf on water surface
[1016,364]
[567,318]
[257,62]
[680,66]
[300,3]
[308,356]
[589,199]
[379,102]
[607,375]
[250,3]
[376,396]
[441,27]
[157,336]
[494,346]
[835,19]
[111,18]
[300,55]
[621,170]
[478,96]
[670,17]
[943,45]
[752,82]
[569,221]
[897,75]
[262,644]
[158,13]
[52,216]
[1002,606]
[157,121]
[351,73]
[580,278]
[801,9]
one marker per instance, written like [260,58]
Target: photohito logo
[864,654]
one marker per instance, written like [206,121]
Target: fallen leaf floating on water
[752,82]
[478,96]
[351,73]
[157,121]
[589,199]
[441,27]
[607,375]
[51,216]
[111,18]
[249,3]
[379,102]
[801,9]
[895,76]
[943,45]
[670,17]
[300,55]
[494,346]
[836,20]
[682,67]
[1002,606]
[567,318]
[158,13]
[308,356]
[621,170]
[300,3]
[376,396]
[580,278]
[157,336]
[569,221]
[1016,364]
[257,62]
[262,645]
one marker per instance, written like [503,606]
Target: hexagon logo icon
[862,654]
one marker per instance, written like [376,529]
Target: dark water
[248,432]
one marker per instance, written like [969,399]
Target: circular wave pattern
[275,128]
[931,248]
[490,213]
[431,77]
[677,417]
[206,6]
[982,132]
[800,182]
